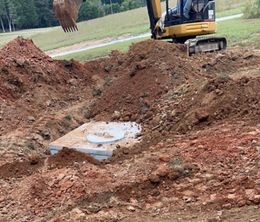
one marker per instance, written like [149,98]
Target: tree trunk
[9,23]
[111,7]
[2,24]
[13,25]
[10,26]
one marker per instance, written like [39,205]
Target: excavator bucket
[66,11]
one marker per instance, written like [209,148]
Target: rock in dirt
[130,208]
[162,171]
[154,178]
[31,119]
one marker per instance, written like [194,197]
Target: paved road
[229,17]
[122,39]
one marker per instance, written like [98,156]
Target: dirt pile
[68,157]
[25,69]
[158,85]
[20,169]
[229,61]
[222,99]
[33,89]
[31,83]
[148,71]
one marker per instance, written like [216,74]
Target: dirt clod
[67,157]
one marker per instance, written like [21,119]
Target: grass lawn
[125,23]
[243,32]
[100,52]
[238,32]
[228,12]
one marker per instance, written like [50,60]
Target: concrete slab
[99,139]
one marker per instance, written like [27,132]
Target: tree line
[24,14]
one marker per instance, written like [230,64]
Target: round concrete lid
[108,135]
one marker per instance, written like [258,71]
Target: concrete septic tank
[99,139]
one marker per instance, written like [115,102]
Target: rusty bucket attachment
[66,11]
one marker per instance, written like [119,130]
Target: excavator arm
[66,11]
[154,13]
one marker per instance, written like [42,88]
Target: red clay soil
[20,169]
[65,158]
[219,99]
[25,68]
[144,74]
[32,83]
[148,80]
[68,157]
[200,140]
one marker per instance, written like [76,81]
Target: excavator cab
[190,11]
[189,22]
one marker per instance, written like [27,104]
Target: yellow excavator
[190,22]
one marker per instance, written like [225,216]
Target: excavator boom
[66,11]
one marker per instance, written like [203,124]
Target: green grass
[241,32]
[238,32]
[228,12]
[125,23]
[100,52]
[31,33]
[223,5]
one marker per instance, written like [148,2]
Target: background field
[125,23]
[238,32]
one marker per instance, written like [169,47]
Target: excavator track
[205,44]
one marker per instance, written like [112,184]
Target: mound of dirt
[68,157]
[32,83]
[221,98]
[25,69]
[158,85]
[20,169]
[149,70]
[229,61]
